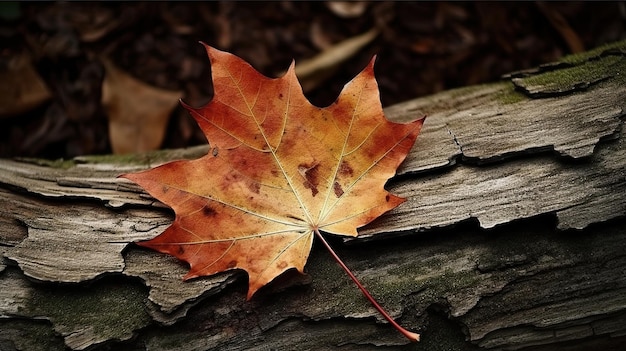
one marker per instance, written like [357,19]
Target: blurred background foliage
[105,77]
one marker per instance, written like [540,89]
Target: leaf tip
[128,176]
[292,68]
[187,276]
[212,52]
[206,46]
[252,289]
[369,69]
[185,105]
[373,60]
[135,177]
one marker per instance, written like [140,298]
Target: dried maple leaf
[280,170]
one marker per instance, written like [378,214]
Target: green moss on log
[576,77]
[32,335]
[579,58]
[112,310]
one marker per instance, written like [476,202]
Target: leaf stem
[414,337]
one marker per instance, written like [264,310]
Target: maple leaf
[280,171]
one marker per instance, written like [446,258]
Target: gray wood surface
[512,237]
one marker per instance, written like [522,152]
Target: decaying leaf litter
[440,45]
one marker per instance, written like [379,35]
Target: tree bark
[512,237]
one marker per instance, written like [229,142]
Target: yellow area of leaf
[279,169]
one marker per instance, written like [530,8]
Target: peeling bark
[512,238]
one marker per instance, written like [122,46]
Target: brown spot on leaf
[345,170]
[208,212]
[311,176]
[232,264]
[254,187]
[180,250]
[387,198]
[338,190]
[281,265]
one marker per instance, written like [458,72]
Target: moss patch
[112,310]
[332,282]
[581,76]
[579,58]
[431,276]
[508,95]
[29,335]
[147,159]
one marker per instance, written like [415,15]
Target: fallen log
[513,237]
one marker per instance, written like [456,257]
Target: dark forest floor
[55,57]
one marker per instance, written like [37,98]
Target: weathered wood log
[513,237]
